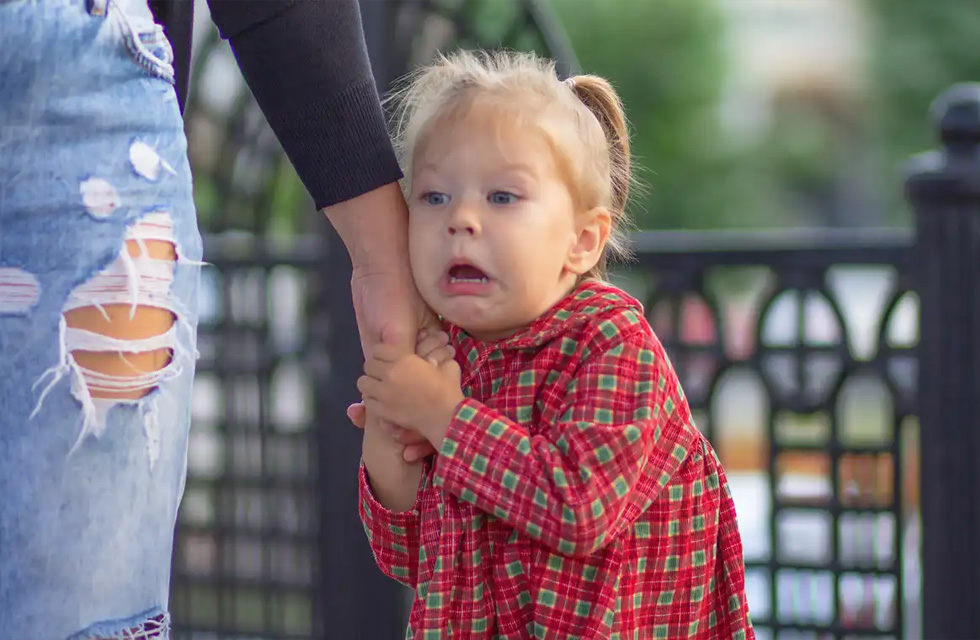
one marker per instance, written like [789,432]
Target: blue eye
[502,197]
[435,198]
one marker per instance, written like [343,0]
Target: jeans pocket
[144,40]
[151,50]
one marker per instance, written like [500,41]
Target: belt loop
[97,8]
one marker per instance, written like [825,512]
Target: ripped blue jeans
[99,269]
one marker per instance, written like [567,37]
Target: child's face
[495,237]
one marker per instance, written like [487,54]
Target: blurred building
[799,88]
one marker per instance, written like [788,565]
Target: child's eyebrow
[519,168]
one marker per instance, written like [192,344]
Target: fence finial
[952,171]
[956,113]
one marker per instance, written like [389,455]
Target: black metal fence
[800,354]
[797,363]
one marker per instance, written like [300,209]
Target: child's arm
[584,480]
[393,535]
[388,502]
[394,482]
[390,489]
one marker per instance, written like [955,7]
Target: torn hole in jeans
[154,628]
[119,330]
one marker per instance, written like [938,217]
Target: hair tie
[570,81]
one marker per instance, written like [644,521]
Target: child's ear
[590,241]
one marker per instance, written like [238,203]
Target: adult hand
[387,305]
[388,308]
[374,228]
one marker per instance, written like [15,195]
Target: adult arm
[307,65]
[306,62]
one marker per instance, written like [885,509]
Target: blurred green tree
[667,60]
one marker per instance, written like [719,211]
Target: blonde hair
[599,152]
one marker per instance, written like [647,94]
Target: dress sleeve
[394,536]
[577,484]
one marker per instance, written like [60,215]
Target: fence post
[943,187]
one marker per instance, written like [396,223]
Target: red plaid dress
[573,497]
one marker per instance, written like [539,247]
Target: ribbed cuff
[372,507]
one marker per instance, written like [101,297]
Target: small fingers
[430,324]
[374,407]
[375,368]
[386,353]
[430,345]
[413,437]
[368,387]
[357,414]
[401,434]
[443,355]
[396,433]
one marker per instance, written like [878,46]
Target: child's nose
[464,221]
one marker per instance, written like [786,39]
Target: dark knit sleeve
[306,63]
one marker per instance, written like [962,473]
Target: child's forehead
[488,116]
[485,155]
[509,136]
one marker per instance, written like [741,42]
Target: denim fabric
[92,161]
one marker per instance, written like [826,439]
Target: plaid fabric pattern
[572,498]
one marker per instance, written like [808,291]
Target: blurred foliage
[812,155]
[800,150]
[919,48]
[667,60]
[490,23]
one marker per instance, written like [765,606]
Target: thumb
[357,414]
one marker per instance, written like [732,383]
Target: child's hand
[433,346]
[416,393]
[417,448]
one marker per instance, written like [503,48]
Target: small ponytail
[601,99]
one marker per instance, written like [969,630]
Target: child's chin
[476,324]
[466,314]
[471,324]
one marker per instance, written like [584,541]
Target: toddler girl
[571,495]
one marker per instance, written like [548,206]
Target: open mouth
[467,273]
